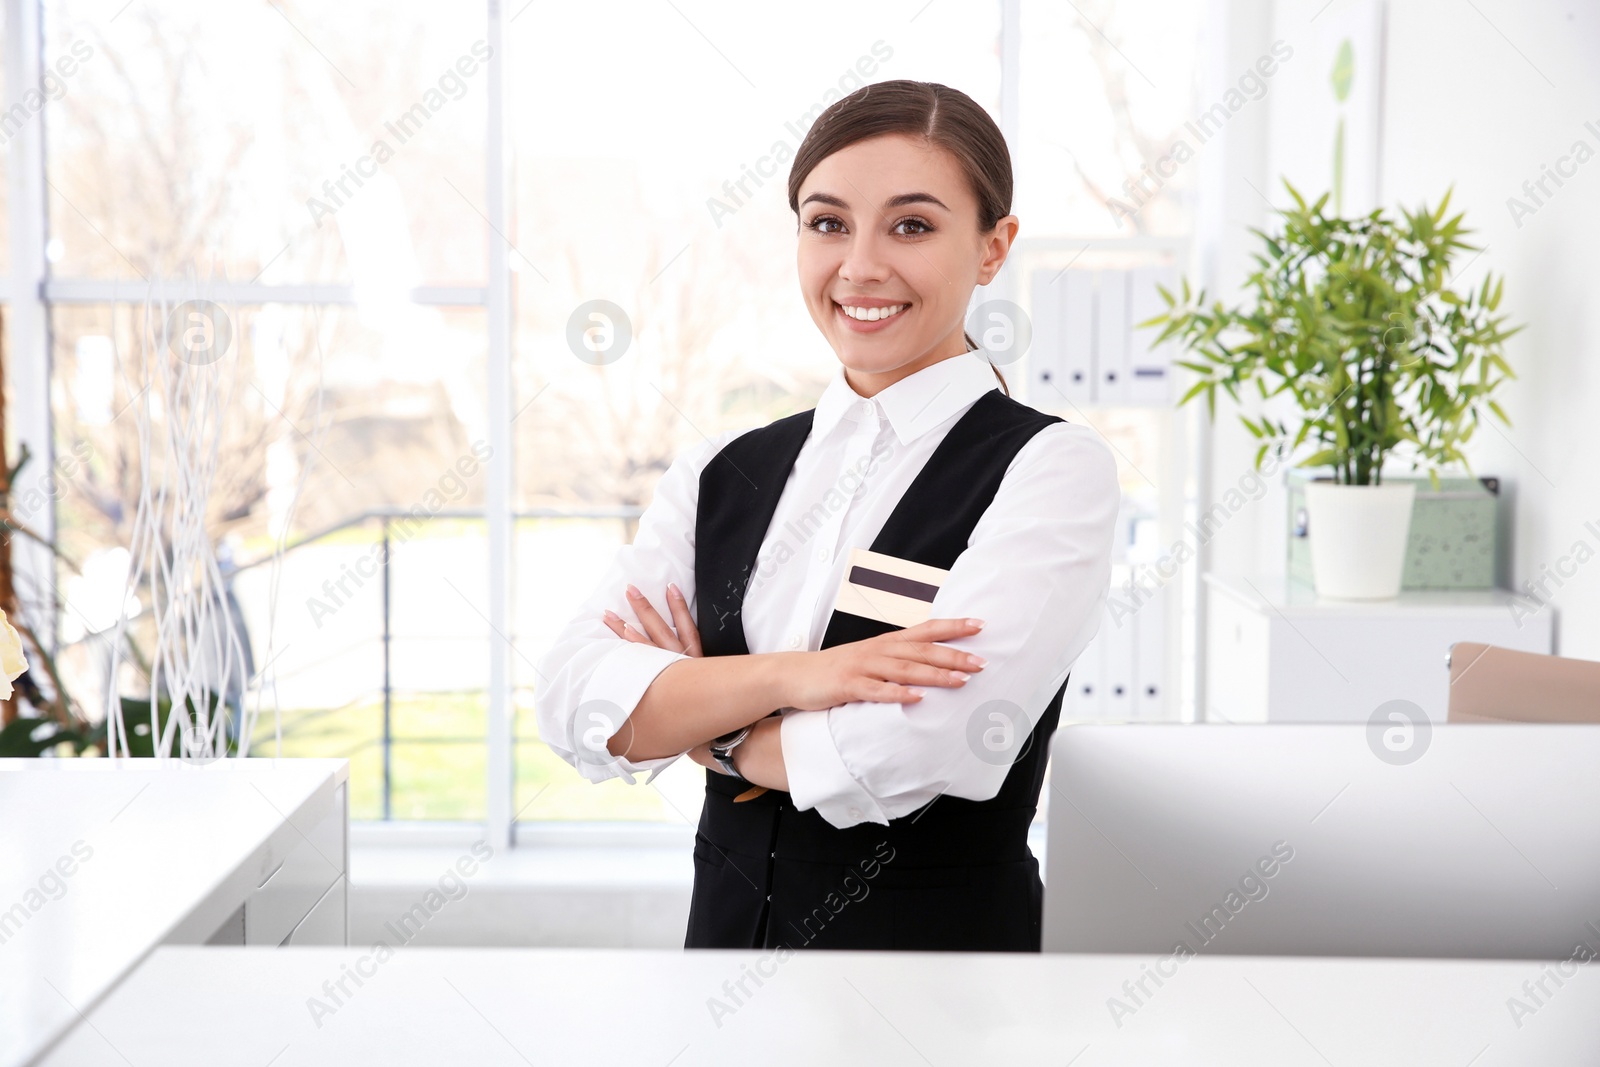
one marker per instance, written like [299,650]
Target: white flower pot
[1358,538]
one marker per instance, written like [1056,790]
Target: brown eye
[922,227]
[820,221]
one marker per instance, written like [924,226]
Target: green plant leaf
[1328,457]
[1355,319]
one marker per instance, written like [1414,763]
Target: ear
[996,247]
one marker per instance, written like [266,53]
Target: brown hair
[945,117]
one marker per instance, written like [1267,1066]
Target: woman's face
[890,223]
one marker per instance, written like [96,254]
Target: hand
[701,754]
[884,668]
[687,638]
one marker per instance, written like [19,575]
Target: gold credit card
[888,589]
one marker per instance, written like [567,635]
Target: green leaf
[31,738]
[1344,69]
[1328,457]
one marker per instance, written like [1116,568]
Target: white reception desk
[188,1007]
[124,963]
[101,861]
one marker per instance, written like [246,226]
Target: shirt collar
[913,405]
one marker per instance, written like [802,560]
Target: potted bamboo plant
[1355,320]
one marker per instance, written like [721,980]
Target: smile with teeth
[872,314]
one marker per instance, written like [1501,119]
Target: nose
[864,261]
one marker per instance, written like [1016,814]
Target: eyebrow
[900,200]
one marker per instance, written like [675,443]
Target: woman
[885,803]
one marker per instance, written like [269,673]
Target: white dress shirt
[1036,569]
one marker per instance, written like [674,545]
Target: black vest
[956,874]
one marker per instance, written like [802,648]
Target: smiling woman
[886,266]
[828,711]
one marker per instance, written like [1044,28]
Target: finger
[619,627]
[937,655]
[880,692]
[913,672]
[941,629]
[653,623]
[688,633]
[889,693]
[934,655]
[914,641]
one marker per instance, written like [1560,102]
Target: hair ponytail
[972,346]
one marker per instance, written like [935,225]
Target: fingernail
[959,676]
[918,692]
[979,661]
[632,591]
[975,622]
[672,587]
[611,615]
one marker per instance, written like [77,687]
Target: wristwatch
[722,749]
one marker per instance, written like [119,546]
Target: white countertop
[614,1006]
[101,860]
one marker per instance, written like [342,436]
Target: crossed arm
[723,693]
[701,698]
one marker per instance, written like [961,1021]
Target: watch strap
[722,749]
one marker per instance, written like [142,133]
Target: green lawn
[437,763]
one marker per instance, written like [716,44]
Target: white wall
[1464,106]
[1480,95]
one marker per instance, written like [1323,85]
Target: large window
[324,167]
[334,175]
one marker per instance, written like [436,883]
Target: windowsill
[563,885]
[592,867]
[418,833]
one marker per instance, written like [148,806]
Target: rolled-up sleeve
[589,679]
[1037,569]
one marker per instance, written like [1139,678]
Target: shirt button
[822,554]
[794,640]
[855,813]
[769,896]
[772,855]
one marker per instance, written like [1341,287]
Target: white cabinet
[1276,652]
[313,868]
[299,868]
[112,857]
[328,921]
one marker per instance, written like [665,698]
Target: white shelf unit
[1277,652]
[1122,675]
[1088,363]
